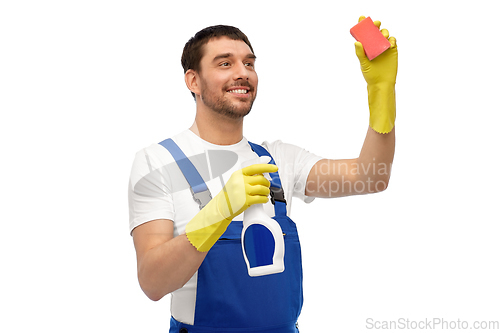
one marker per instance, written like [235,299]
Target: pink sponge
[367,33]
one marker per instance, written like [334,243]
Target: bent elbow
[154,297]
[152,294]
[381,185]
[155,290]
[371,185]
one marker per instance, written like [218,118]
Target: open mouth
[239,91]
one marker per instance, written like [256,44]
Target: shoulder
[153,157]
[155,154]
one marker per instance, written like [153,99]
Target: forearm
[375,159]
[168,266]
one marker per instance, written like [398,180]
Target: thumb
[360,52]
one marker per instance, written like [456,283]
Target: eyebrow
[229,55]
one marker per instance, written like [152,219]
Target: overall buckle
[202,198]
[277,194]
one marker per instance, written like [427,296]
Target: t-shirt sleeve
[295,163]
[149,194]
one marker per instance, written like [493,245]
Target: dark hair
[193,50]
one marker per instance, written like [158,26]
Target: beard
[221,105]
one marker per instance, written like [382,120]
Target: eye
[224,64]
[250,64]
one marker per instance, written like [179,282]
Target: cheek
[254,79]
[216,81]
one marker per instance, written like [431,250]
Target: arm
[164,263]
[370,172]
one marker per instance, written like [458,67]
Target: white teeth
[239,91]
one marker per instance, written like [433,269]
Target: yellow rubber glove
[244,188]
[380,76]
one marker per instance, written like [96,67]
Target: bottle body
[262,242]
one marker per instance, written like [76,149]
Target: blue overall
[227,298]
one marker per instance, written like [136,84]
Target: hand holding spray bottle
[262,239]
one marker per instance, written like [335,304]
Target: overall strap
[277,194]
[200,191]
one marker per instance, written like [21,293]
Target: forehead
[221,45]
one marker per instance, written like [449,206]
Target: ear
[191,78]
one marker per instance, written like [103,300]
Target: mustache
[241,84]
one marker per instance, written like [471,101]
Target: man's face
[228,81]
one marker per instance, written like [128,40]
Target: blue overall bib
[227,298]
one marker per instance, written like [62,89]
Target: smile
[238,91]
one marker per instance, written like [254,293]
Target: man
[191,248]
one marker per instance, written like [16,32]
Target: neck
[217,129]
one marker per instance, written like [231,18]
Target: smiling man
[224,84]
[187,237]
[217,88]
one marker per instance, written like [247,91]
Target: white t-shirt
[158,189]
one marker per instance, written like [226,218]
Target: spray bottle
[262,240]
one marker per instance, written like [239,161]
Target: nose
[241,72]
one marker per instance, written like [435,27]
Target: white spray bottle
[262,239]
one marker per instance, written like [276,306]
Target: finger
[258,190]
[257,199]
[257,180]
[360,52]
[259,169]
[377,24]
[385,32]
[392,40]
[361,18]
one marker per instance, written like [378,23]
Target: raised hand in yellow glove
[380,76]
[244,188]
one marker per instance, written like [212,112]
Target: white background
[85,84]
